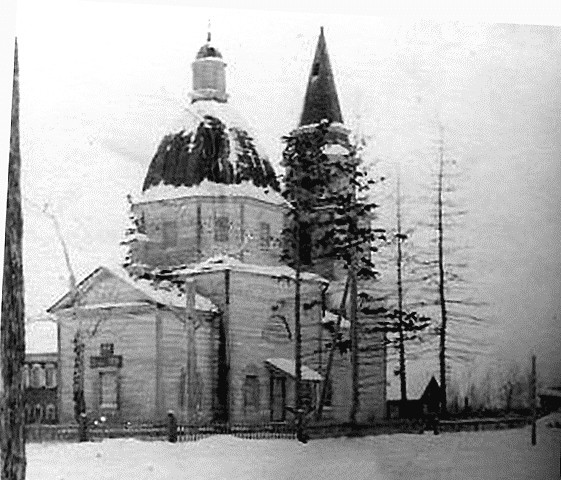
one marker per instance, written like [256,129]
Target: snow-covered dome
[215,143]
[214,146]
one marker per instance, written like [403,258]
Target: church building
[199,319]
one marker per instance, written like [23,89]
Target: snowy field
[505,454]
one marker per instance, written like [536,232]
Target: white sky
[101,84]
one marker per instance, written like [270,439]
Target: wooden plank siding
[195,220]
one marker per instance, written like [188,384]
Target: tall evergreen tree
[12,411]
[327,197]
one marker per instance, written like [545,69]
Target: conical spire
[321,101]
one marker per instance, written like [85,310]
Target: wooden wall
[195,219]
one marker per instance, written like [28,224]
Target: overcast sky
[102,83]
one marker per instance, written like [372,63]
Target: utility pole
[533,383]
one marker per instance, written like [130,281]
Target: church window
[169,234]
[221,229]
[37,376]
[50,376]
[108,390]
[264,235]
[251,392]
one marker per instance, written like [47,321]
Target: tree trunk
[329,366]
[298,341]
[441,279]
[12,412]
[353,294]
[354,341]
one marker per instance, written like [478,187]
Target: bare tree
[12,411]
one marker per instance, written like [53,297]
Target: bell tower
[321,104]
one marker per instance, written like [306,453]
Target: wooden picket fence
[270,430]
[478,424]
[37,432]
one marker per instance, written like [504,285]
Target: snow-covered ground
[489,455]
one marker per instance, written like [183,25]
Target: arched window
[37,376]
[50,375]
[38,413]
[50,413]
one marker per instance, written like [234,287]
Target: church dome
[216,146]
[213,143]
[207,51]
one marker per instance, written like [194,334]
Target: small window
[107,349]
[315,69]
[37,376]
[169,234]
[264,235]
[221,229]
[50,376]
[26,378]
[329,394]
[28,414]
[308,395]
[38,413]
[251,392]
[50,413]
[108,390]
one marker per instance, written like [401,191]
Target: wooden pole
[533,393]
[12,326]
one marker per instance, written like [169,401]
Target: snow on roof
[331,317]
[225,113]
[289,367]
[211,189]
[225,262]
[335,149]
[550,392]
[164,292]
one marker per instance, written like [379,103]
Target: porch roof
[289,367]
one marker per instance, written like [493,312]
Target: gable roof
[163,294]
